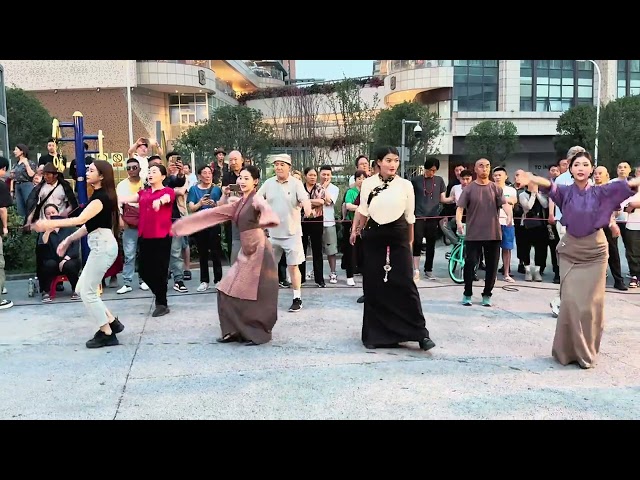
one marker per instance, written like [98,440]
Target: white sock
[297,294]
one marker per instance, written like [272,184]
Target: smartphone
[206,196]
[234,187]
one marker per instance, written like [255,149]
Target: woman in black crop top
[100,222]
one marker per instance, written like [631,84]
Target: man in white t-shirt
[506,223]
[329,234]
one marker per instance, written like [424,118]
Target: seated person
[53,265]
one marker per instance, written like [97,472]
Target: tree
[28,121]
[576,126]
[301,132]
[619,136]
[493,140]
[387,130]
[231,127]
[354,118]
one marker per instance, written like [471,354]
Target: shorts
[508,237]
[330,240]
[292,248]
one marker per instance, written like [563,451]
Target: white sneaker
[333,278]
[6,304]
[124,289]
[204,286]
[144,286]
[4,290]
[351,282]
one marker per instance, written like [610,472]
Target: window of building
[555,85]
[628,78]
[475,85]
[187,108]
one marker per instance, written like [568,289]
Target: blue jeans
[22,191]
[130,246]
[176,263]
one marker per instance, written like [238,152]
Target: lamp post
[417,130]
[595,152]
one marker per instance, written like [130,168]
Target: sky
[333,69]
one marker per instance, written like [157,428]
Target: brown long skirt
[583,268]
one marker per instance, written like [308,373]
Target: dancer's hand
[42,226]
[62,248]
[156,204]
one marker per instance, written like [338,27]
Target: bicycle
[456,261]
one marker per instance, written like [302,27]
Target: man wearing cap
[218,166]
[285,194]
[53,189]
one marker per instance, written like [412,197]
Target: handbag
[130,215]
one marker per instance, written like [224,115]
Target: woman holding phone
[202,196]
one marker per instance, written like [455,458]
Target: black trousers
[50,270]
[428,229]
[209,247]
[227,239]
[312,233]
[538,238]
[282,268]
[352,254]
[153,265]
[614,257]
[553,246]
[473,249]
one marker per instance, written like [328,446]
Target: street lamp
[417,131]
[595,153]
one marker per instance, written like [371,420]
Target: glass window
[554,82]
[475,85]
[628,78]
[189,108]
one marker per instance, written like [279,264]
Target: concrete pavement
[489,363]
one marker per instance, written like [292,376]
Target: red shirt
[154,224]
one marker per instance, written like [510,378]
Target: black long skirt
[392,309]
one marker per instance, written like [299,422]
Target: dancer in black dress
[385,218]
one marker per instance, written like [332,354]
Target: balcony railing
[398,65]
[195,63]
[225,88]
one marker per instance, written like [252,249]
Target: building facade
[530,93]
[167,96]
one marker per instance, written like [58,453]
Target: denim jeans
[22,191]
[176,263]
[129,245]
[104,250]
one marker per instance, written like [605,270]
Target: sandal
[229,337]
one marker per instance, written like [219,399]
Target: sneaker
[360,299]
[144,286]
[296,306]
[429,276]
[466,301]
[186,275]
[426,344]
[333,278]
[101,339]
[555,307]
[284,284]
[75,296]
[46,298]
[486,301]
[179,287]
[124,289]
[309,276]
[6,304]
[4,290]
[321,285]
[351,282]
[203,287]
[116,326]
[633,283]
[160,311]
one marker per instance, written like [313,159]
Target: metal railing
[398,65]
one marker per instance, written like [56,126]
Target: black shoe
[476,278]
[382,345]
[521,268]
[360,299]
[426,344]
[284,284]
[160,311]
[296,306]
[501,270]
[620,286]
[101,339]
[116,326]
[179,287]
[321,285]
[556,279]
[186,275]
[229,337]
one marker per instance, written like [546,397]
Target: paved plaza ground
[489,363]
